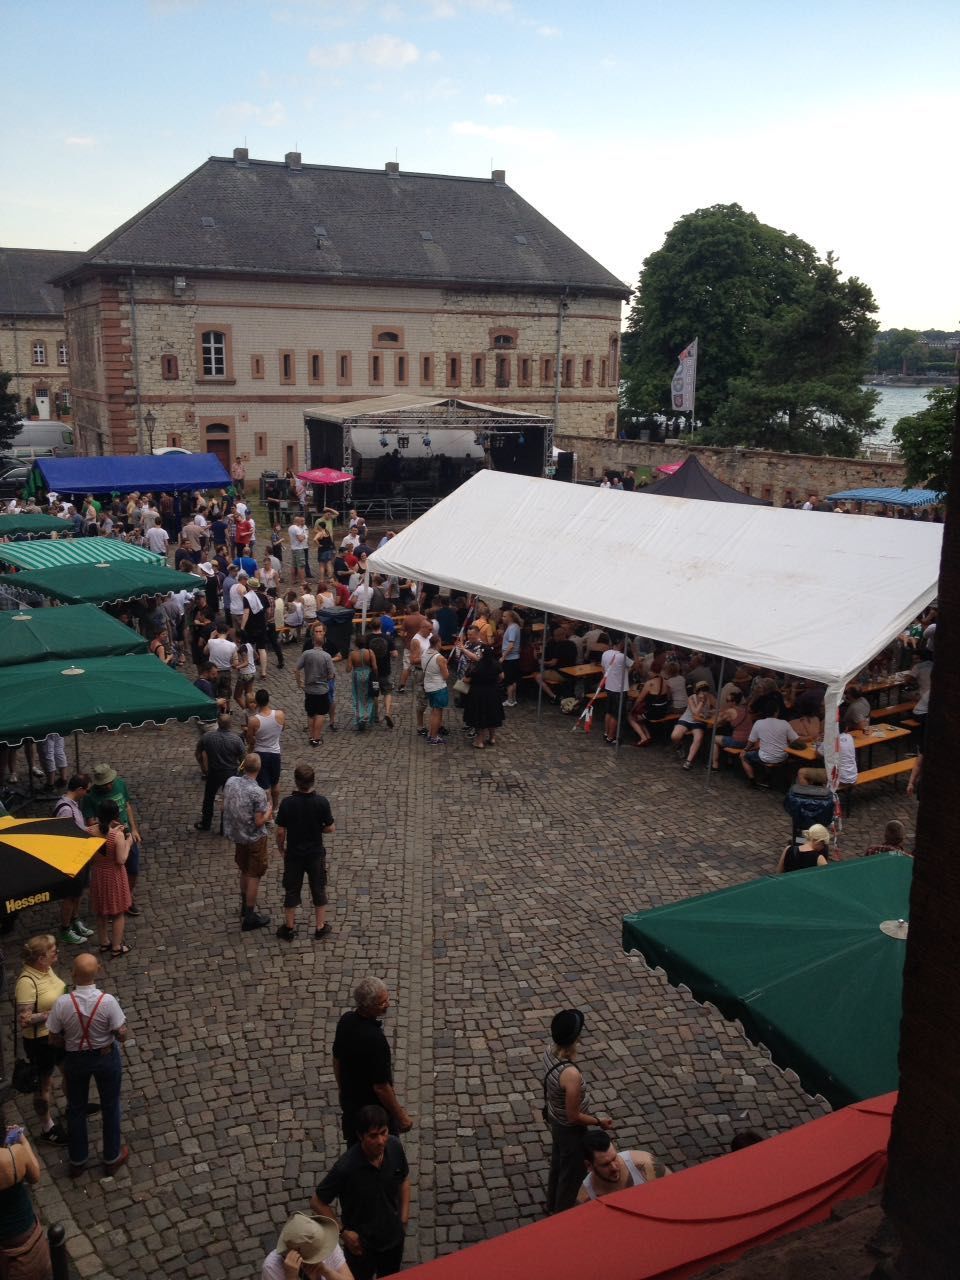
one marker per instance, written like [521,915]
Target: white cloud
[268,115]
[549,33]
[507,133]
[80,140]
[496,99]
[378,51]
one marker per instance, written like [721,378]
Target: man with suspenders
[91,1026]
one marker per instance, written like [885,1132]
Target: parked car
[43,439]
[13,476]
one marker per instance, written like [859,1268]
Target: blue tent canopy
[892,497]
[143,473]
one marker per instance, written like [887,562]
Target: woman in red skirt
[110,897]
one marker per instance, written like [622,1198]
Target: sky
[833,121]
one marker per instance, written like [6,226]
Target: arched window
[213,345]
[387,336]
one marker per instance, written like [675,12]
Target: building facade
[286,286]
[33,338]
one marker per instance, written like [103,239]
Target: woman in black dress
[484,709]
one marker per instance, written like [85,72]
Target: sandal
[116,952]
[103,950]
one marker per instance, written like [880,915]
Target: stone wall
[776,476]
[284,344]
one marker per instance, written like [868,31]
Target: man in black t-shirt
[361,1061]
[372,1184]
[219,753]
[302,821]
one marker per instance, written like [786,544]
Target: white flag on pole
[683,389]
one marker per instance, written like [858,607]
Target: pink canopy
[324,475]
[669,468]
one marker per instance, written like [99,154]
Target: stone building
[33,339]
[254,289]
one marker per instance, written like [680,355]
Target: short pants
[252,859]
[270,765]
[439,698]
[316,704]
[295,867]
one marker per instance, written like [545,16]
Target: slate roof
[264,217]
[25,274]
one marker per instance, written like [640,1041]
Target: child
[246,672]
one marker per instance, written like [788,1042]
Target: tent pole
[363,607]
[713,734]
[622,696]
[543,658]
[76,748]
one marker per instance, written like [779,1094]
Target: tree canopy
[926,440]
[783,340]
[9,413]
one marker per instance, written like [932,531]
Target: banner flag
[683,389]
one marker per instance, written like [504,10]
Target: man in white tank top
[264,729]
[609,1170]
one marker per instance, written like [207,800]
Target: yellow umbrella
[39,857]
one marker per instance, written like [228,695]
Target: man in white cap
[307,1247]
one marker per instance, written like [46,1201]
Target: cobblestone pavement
[487,890]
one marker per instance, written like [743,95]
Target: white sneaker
[511,702]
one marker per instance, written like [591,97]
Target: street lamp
[150,422]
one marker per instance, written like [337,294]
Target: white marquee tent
[808,593]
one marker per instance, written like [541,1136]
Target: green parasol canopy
[811,963]
[31,522]
[52,552]
[31,635]
[65,695]
[103,583]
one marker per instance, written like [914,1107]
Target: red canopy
[669,468]
[324,475]
[680,1225]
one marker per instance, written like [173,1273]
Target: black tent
[693,480]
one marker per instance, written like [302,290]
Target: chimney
[392,166]
[499,176]
[293,160]
[241,155]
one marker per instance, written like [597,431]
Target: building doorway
[218,442]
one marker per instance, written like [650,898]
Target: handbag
[461,686]
[26,1077]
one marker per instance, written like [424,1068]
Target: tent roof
[815,598]
[144,473]
[891,497]
[410,402]
[103,583]
[51,553]
[801,961]
[692,480]
[692,1221]
[29,522]
[31,635]
[65,695]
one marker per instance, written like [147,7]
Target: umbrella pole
[543,658]
[713,734]
[616,749]
[76,749]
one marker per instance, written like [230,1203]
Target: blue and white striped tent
[892,497]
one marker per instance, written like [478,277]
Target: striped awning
[56,553]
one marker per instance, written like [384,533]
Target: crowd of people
[444,653]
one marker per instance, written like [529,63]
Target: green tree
[926,440]
[779,332]
[801,392]
[898,351]
[9,412]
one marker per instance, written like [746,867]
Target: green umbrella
[811,964]
[74,630]
[31,522]
[53,552]
[62,696]
[103,583]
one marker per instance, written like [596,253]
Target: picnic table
[583,670]
[863,740]
[887,685]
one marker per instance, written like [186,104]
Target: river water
[896,403]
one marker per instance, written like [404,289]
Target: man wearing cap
[90,1026]
[372,1184]
[108,785]
[565,1110]
[307,1247]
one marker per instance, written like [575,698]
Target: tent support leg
[363,610]
[76,749]
[616,749]
[543,658]
[713,734]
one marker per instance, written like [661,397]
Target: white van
[42,440]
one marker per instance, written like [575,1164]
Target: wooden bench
[549,676]
[888,713]
[910,723]
[884,771]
